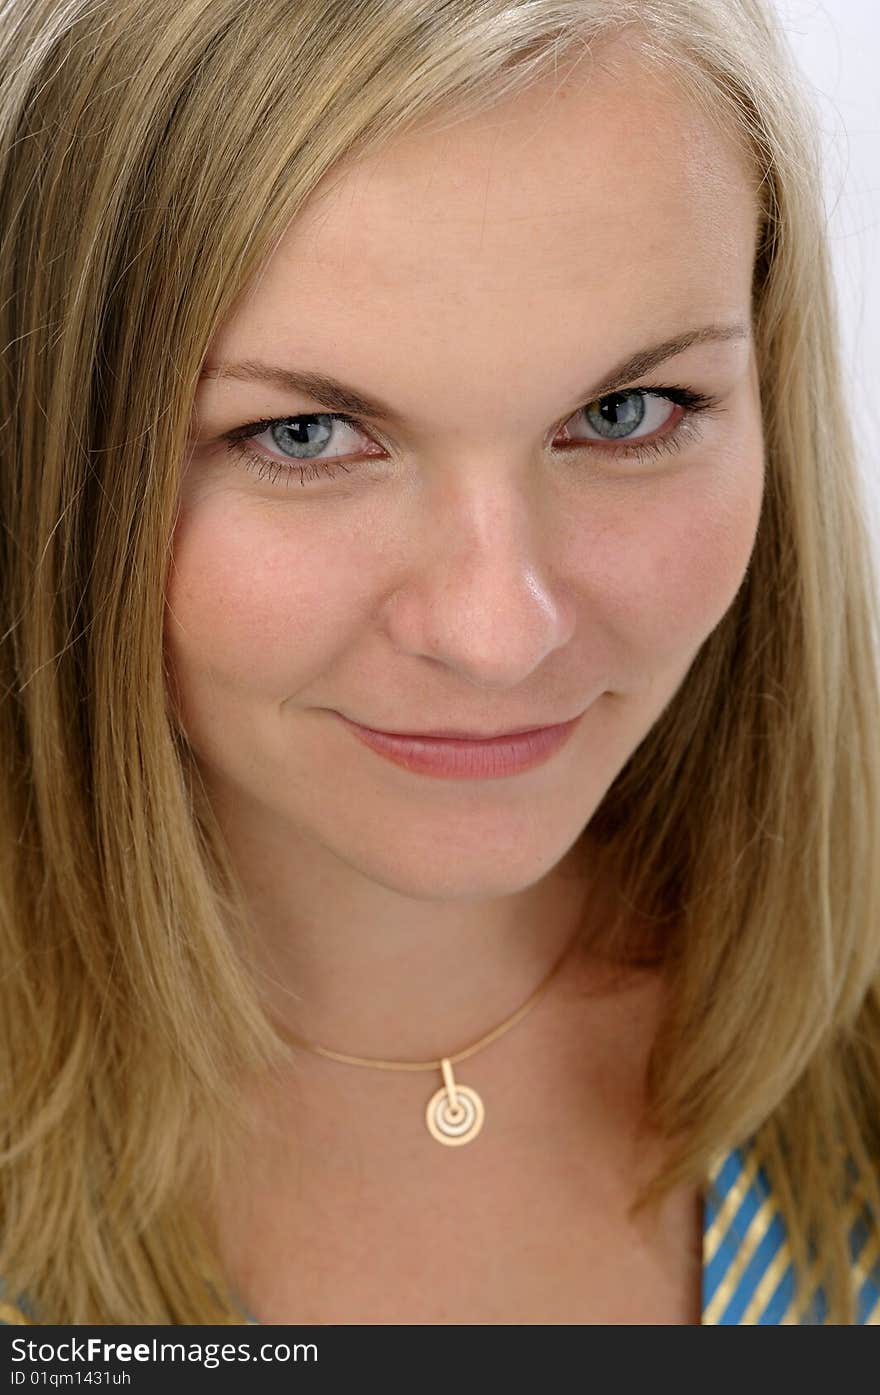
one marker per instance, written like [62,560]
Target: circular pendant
[455,1112]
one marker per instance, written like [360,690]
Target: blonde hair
[151,156]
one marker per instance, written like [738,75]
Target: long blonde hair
[151,156]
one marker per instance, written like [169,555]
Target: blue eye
[618,414]
[305,437]
[306,434]
[639,413]
[624,424]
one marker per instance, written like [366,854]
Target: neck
[360,968]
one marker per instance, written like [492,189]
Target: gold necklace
[454,1113]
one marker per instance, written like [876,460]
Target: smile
[455,757]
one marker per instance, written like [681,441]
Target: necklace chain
[458,1055]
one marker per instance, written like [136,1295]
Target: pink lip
[460,758]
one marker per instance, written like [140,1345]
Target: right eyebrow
[342,397]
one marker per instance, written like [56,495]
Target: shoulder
[748,1276]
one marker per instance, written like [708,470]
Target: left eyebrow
[644,360]
[341,397]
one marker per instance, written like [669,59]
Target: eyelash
[685,429]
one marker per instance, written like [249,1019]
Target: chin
[474,874]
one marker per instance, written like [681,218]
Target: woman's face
[482,553]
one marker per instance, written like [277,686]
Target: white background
[837,46]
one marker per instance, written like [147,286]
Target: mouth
[448,753]
[449,734]
[459,734]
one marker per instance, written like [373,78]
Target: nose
[481,594]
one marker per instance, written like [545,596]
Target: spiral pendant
[455,1112]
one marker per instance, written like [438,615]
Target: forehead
[585,212]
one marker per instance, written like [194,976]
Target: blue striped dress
[748,1277]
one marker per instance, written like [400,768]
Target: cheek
[254,607]
[670,565]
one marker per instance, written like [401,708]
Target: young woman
[441,798]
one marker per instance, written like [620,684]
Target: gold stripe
[755,1233]
[767,1287]
[11,1314]
[713,1171]
[729,1207]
